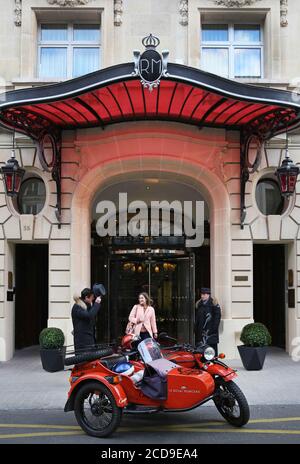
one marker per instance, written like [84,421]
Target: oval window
[268,197]
[32,196]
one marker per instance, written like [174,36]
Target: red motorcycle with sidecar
[146,379]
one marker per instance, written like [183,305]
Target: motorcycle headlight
[209,353]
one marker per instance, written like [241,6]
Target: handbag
[130,328]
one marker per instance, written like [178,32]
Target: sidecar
[99,394]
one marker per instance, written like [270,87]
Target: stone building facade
[166,155]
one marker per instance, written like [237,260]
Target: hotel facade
[214,127]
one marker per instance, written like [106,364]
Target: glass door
[172,291]
[170,284]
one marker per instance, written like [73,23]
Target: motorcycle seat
[110,361]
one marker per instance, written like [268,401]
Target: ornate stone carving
[18,12]
[184,12]
[68,2]
[118,12]
[284,12]
[241,3]
[235,3]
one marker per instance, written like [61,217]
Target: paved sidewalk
[25,385]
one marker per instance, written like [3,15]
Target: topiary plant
[256,334]
[51,338]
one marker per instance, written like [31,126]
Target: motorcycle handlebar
[184,346]
[190,348]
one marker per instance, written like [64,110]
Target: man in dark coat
[204,307]
[84,314]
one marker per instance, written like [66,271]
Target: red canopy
[113,95]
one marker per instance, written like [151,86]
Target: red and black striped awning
[114,95]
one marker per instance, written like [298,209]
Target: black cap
[205,290]
[99,290]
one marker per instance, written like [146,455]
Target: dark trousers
[144,335]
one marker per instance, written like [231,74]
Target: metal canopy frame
[114,95]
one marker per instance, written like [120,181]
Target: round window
[32,196]
[268,197]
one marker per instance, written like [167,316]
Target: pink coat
[138,317]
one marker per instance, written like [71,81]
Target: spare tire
[88,356]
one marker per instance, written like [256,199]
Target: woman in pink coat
[142,316]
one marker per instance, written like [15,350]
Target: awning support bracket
[49,151]
[251,146]
[56,176]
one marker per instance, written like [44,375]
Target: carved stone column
[184,12]
[284,12]
[118,12]
[18,12]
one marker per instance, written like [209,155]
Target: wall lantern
[12,174]
[287,174]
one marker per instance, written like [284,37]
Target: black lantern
[12,174]
[287,175]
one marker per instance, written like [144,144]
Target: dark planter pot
[53,360]
[253,358]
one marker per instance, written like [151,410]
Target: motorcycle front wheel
[232,404]
[96,410]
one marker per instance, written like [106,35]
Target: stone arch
[205,181]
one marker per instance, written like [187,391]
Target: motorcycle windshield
[149,350]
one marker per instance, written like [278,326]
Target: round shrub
[256,334]
[51,338]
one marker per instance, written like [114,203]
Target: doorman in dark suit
[204,307]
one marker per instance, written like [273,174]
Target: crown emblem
[150,41]
[150,65]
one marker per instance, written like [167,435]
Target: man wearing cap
[205,307]
[84,314]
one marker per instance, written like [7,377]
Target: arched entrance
[99,176]
[164,266]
